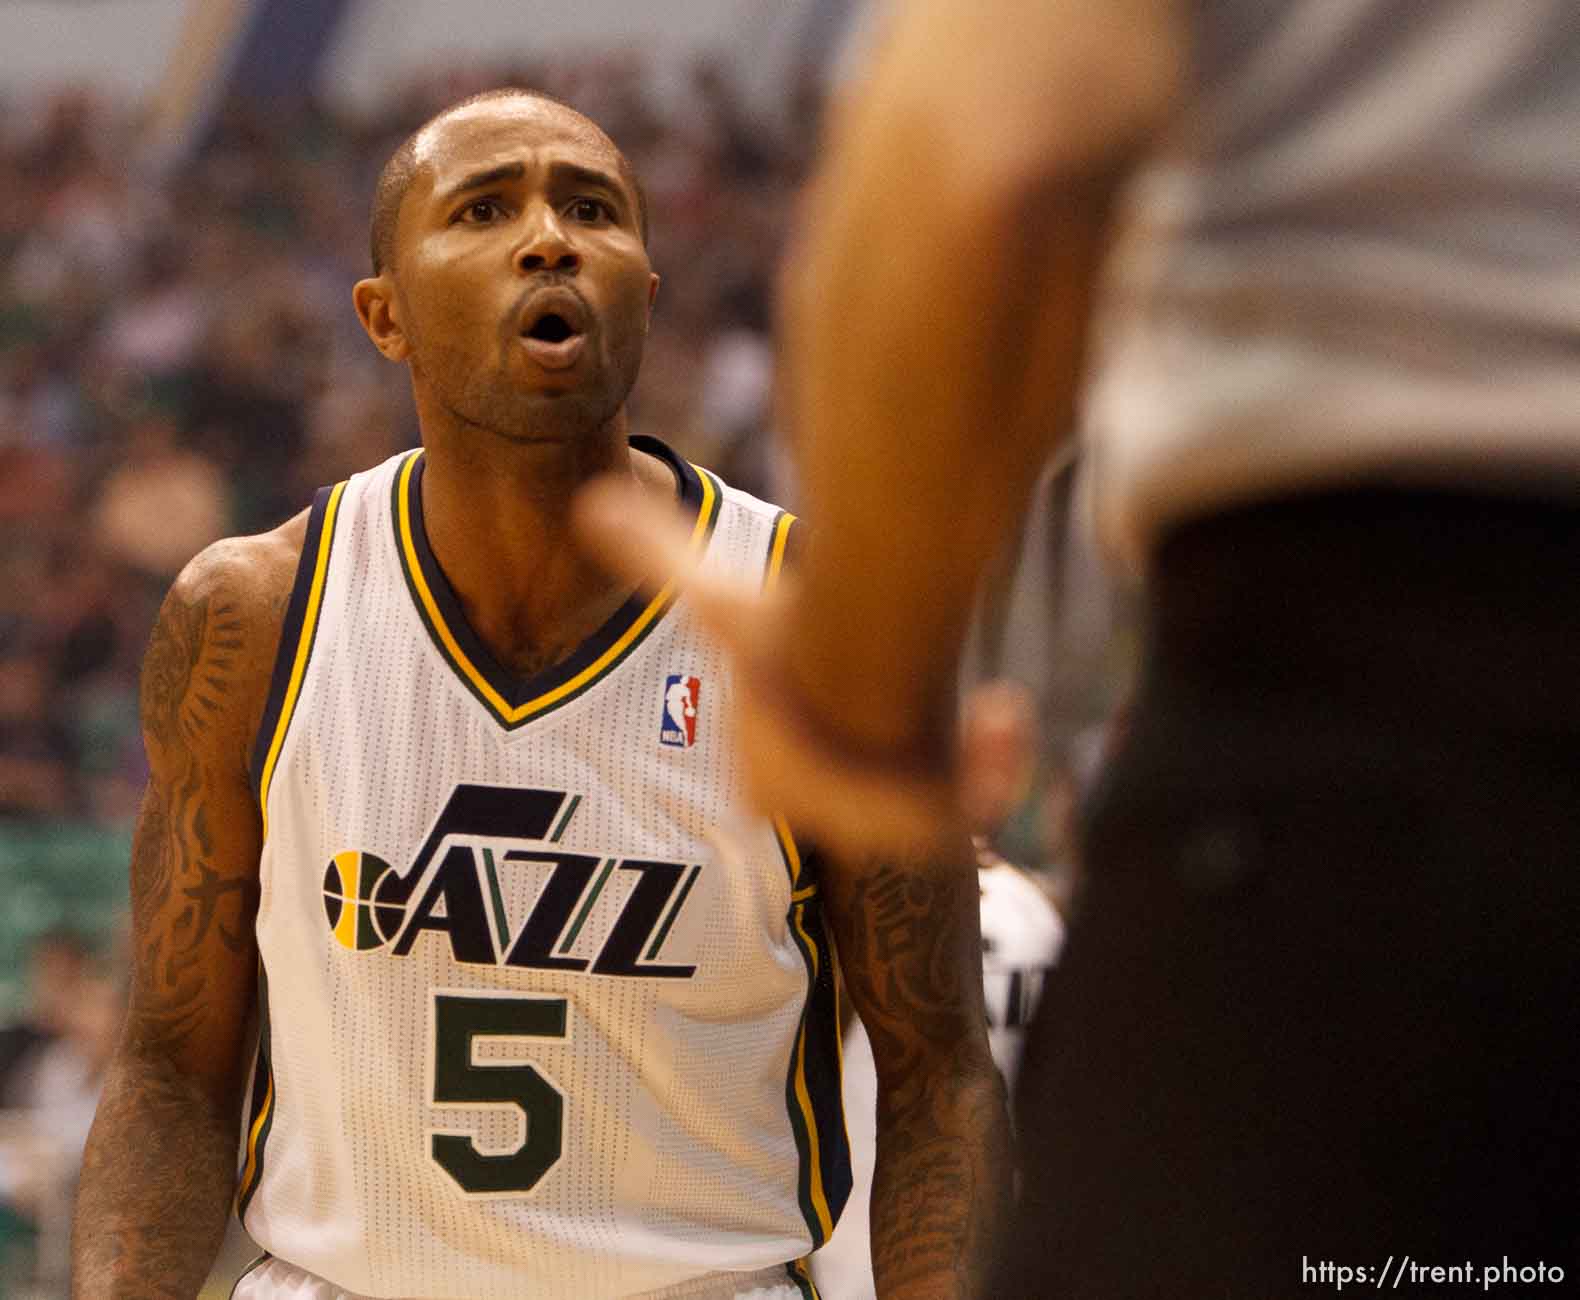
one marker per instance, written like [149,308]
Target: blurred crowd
[179,359]
[52,1058]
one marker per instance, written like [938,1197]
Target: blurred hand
[798,764]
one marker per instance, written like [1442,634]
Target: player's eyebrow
[480,180]
[559,172]
[585,175]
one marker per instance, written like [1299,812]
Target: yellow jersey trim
[819,1197]
[250,1170]
[304,646]
[776,549]
[816,1193]
[470,673]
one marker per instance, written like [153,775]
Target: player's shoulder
[208,664]
[744,501]
[660,465]
[251,574]
[784,531]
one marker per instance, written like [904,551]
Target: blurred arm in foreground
[937,312]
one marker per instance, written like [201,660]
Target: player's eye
[480,212]
[589,210]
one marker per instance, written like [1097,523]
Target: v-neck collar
[514,701]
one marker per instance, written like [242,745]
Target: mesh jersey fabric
[527,1031]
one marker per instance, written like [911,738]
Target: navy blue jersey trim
[264,1107]
[796,1271]
[825,1073]
[518,692]
[814,1089]
[290,633]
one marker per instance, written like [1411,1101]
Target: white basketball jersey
[526,1032]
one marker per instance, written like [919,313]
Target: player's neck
[497,515]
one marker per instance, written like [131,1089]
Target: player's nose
[544,244]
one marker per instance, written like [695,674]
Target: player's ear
[380,316]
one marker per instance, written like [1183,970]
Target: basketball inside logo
[357,898]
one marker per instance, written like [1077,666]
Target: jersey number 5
[459,1081]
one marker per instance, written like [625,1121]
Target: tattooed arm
[159,1168]
[910,947]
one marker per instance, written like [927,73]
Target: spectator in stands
[59,965]
[37,758]
[41,1142]
[163,504]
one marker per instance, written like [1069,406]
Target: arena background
[183,209]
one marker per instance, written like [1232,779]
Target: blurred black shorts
[1321,999]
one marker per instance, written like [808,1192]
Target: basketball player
[438,795]
[1322,1001]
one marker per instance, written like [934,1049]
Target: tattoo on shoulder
[190,897]
[190,665]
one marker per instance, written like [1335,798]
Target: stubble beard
[494,404]
[535,417]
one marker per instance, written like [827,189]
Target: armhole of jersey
[252,1267]
[296,642]
[814,1090]
[260,1108]
[780,548]
[801,1277]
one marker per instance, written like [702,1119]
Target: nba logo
[678,726]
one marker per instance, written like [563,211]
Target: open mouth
[555,339]
[552,328]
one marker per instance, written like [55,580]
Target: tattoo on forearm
[940,1189]
[911,952]
[156,1134]
[940,1180]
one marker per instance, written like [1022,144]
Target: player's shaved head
[396,178]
